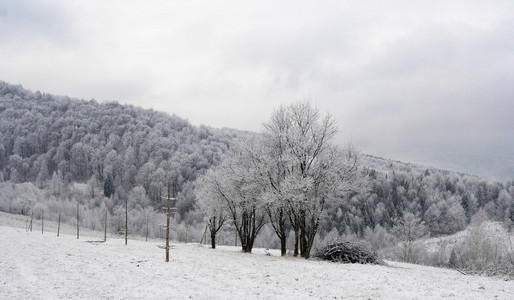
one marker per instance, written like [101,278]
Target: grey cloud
[294,53]
[26,20]
[403,79]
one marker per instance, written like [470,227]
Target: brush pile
[345,251]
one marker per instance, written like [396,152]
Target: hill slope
[46,266]
[43,135]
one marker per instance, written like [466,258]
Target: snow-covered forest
[58,153]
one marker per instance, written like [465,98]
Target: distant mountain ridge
[494,166]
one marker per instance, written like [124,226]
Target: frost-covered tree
[129,167]
[137,198]
[378,238]
[80,157]
[505,207]
[211,204]
[445,215]
[6,197]
[236,189]
[305,170]
[91,187]
[108,186]
[408,230]
[43,173]
[118,220]
[481,248]
[57,186]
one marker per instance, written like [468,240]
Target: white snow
[44,266]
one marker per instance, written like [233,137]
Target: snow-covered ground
[44,266]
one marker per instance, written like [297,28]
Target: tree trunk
[303,237]
[296,227]
[306,249]
[303,244]
[308,233]
[213,239]
[244,233]
[278,222]
[283,248]
[296,241]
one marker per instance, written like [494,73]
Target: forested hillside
[445,201]
[56,151]
[118,150]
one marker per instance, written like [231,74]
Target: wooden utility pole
[31,219]
[59,223]
[169,210]
[126,220]
[42,222]
[105,225]
[78,219]
[146,219]
[168,226]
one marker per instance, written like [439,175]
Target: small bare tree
[481,248]
[408,230]
[234,189]
[509,251]
[211,206]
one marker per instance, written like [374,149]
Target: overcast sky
[421,81]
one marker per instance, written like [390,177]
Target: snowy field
[44,266]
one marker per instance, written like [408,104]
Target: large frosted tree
[305,171]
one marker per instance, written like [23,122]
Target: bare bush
[509,252]
[409,230]
[487,249]
[378,238]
